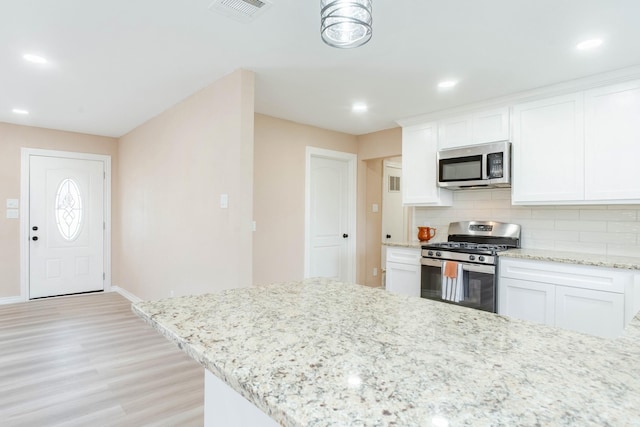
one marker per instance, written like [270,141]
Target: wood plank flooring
[87,360]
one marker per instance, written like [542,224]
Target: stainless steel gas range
[462,270]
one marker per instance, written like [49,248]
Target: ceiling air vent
[241,10]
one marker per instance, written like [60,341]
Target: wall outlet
[375,271]
[170,294]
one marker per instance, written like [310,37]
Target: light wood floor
[89,361]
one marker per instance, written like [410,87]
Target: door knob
[34,238]
[344,236]
[388,236]
[34,228]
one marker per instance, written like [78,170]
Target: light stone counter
[610,261]
[321,353]
[403,244]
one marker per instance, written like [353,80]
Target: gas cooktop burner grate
[462,246]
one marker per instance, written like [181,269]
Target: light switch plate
[224,201]
[374,208]
[12,204]
[13,213]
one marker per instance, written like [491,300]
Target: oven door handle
[474,268]
[479,268]
[430,262]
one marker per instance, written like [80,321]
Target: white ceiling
[116,63]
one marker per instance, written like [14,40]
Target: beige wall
[279,193]
[173,236]
[372,149]
[377,145]
[12,138]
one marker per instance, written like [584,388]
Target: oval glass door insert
[68,209]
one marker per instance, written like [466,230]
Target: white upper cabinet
[454,132]
[578,148]
[419,168]
[477,128]
[548,150]
[612,144]
[491,126]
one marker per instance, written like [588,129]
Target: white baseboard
[11,300]
[128,295]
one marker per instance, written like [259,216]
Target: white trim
[562,88]
[128,295]
[25,154]
[391,164]
[352,182]
[11,300]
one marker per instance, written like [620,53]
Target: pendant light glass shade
[345,23]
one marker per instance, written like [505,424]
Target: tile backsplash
[599,229]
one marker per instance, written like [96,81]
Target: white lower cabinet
[527,300]
[592,312]
[403,271]
[581,298]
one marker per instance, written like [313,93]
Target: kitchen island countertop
[324,353]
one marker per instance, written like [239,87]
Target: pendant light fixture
[345,23]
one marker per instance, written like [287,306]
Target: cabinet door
[403,279]
[455,132]
[548,148]
[522,299]
[612,147]
[591,312]
[490,126]
[419,168]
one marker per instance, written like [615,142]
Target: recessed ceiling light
[359,107]
[20,111]
[34,58]
[446,84]
[589,44]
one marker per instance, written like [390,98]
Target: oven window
[479,291]
[478,287]
[461,169]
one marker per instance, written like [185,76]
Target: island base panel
[223,406]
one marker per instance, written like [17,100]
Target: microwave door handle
[478,268]
[486,166]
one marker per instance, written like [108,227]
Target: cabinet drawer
[404,255]
[572,275]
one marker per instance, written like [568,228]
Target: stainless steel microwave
[475,166]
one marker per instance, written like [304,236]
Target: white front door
[331,235]
[66,226]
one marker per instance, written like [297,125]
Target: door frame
[25,173]
[352,181]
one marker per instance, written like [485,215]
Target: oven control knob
[430,253]
[472,257]
[480,258]
[438,254]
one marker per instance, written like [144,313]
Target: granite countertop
[610,261]
[323,353]
[403,244]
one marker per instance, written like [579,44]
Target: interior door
[329,218]
[66,226]
[393,212]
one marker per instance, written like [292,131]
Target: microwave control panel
[495,164]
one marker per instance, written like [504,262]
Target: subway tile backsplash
[600,229]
